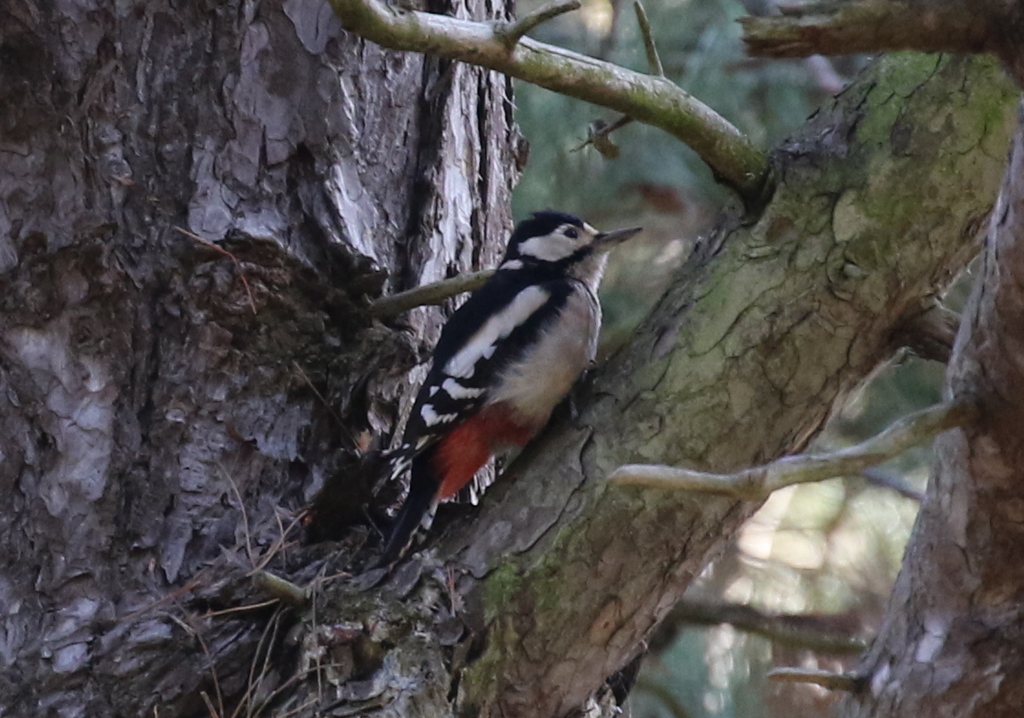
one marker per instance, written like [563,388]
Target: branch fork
[510,33]
[647,98]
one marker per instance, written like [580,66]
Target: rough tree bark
[163,403]
[951,644]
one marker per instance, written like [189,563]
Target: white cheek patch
[484,343]
[456,391]
[432,418]
[549,248]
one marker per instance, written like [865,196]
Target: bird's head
[562,243]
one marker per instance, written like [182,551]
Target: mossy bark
[765,327]
[950,644]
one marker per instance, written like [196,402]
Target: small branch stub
[429,294]
[511,33]
[280,588]
[758,482]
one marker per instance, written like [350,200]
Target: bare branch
[653,59]
[730,154]
[434,293]
[831,634]
[513,32]
[897,484]
[848,682]
[758,482]
[842,28]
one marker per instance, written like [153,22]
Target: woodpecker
[504,360]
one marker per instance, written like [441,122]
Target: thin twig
[653,59]
[226,253]
[280,542]
[833,681]
[730,154]
[241,609]
[213,672]
[434,293]
[330,409]
[245,516]
[190,586]
[760,481]
[511,33]
[266,642]
[599,135]
[209,705]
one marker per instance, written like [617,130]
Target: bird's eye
[572,233]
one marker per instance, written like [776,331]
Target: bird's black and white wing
[488,332]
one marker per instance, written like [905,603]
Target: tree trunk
[166,404]
[163,401]
[740,363]
[951,643]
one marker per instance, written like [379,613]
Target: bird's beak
[606,241]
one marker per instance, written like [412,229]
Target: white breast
[535,384]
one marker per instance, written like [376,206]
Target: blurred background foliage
[810,573]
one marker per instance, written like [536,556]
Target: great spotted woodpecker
[504,360]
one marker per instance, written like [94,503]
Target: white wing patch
[456,391]
[484,343]
[432,418]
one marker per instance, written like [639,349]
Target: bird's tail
[419,507]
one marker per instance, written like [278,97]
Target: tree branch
[884,480]
[758,482]
[848,682]
[814,632]
[433,293]
[843,28]
[733,159]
